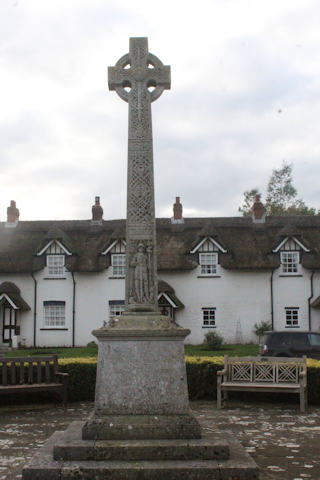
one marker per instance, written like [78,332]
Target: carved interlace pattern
[140,183]
[141,284]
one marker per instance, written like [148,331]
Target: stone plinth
[141,368]
[141,388]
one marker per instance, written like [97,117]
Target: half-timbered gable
[208,250]
[117,252]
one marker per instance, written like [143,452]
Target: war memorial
[141,426]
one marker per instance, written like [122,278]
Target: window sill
[54,328]
[55,278]
[209,276]
[293,326]
[291,275]
[117,278]
[209,326]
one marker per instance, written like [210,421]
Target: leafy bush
[260,328]
[213,340]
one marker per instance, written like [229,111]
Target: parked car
[290,344]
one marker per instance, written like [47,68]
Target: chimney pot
[177,212]
[258,215]
[97,211]
[12,213]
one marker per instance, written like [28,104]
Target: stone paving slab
[284,443]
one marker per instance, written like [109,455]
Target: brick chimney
[258,215]
[177,212]
[97,211]
[12,214]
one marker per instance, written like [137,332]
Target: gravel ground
[284,443]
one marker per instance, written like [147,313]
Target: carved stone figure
[141,270]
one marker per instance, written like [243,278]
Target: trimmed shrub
[213,341]
[201,377]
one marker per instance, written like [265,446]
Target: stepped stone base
[141,427]
[126,427]
[65,456]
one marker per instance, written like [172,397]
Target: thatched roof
[249,245]
[13,292]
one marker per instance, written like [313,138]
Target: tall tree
[281,196]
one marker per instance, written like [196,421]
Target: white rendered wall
[294,291]
[54,289]
[93,292]
[241,299]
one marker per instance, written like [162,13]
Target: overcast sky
[245,96]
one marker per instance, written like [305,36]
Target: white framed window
[292,317]
[208,263]
[54,313]
[208,317]
[118,262]
[55,264]
[116,307]
[289,262]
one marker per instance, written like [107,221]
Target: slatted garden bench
[38,374]
[263,374]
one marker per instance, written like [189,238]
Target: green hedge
[201,375]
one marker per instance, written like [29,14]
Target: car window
[314,339]
[279,339]
[300,339]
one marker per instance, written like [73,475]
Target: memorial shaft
[139,78]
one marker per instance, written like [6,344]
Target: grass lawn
[190,350]
[231,350]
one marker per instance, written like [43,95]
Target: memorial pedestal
[141,427]
[141,388]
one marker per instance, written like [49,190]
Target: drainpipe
[309,300]
[73,309]
[34,311]
[271,298]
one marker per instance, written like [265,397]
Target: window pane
[292,317]
[116,310]
[208,317]
[290,261]
[118,265]
[55,264]
[54,315]
[208,263]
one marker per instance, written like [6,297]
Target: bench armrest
[63,374]
[220,373]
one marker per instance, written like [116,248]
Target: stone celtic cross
[139,78]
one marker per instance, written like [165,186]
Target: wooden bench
[263,374]
[38,374]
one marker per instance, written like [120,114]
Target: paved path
[284,443]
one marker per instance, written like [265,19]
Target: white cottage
[59,280]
